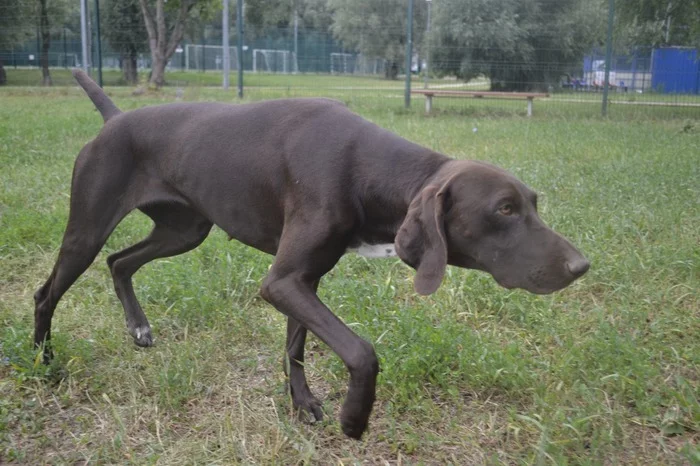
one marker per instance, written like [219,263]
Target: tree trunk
[667,23]
[391,70]
[162,47]
[3,76]
[45,43]
[130,68]
[158,71]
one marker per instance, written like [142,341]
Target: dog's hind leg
[302,398]
[76,254]
[177,229]
[93,215]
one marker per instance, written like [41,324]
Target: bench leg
[529,107]
[428,103]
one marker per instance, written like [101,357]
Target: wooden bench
[430,93]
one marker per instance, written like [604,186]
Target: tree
[165,26]
[47,12]
[265,14]
[45,34]
[316,14]
[124,28]
[517,44]
[660,22]
[377,28]
[16,23]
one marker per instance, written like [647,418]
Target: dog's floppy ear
[421,242]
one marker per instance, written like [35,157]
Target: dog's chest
[374,251]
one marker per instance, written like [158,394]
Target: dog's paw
[352,426]
[309,407]
[142,336]
[352,430]
[46,355]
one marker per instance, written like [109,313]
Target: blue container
[675,71]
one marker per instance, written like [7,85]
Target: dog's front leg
[290,288]
[302,398]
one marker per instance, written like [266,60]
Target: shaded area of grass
[604,372]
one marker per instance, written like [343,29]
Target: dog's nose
[578,266]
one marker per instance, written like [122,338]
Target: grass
[342,85]
[604,372]
[62,77]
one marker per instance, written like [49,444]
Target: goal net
[342,63]
[208,57]
[274,61]
[349,63]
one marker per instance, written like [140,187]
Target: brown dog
[305,180]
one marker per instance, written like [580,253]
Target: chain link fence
[453,54]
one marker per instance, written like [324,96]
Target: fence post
[99,42]
[634,69]
[83,35]
[225,40]
[38,49]
[65,53]
[296,41]
[608,56]
[204,49]
[409,52]
[239,26]
[427,48]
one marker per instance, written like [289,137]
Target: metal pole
[65,52]
[409,53]
[239,26]
[227,52]
[427,49]
[296,42]
[204,49]
[668,21]
[99,43]
[83,34]
[634,70]
[38,48]
[608,55]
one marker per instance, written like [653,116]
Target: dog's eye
[506,209]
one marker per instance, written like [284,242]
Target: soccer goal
[368,66]
[208,57]
[348,63]
[274,61]
[342,63]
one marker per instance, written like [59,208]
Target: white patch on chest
[375,251]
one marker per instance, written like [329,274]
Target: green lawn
[604,372]
[260,85]
[62,77]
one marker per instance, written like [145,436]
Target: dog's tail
[103,103]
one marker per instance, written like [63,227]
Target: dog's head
[477,216]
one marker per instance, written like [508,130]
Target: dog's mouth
[535,283]
[531,287]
